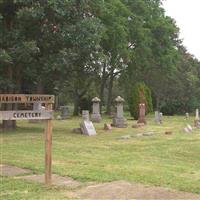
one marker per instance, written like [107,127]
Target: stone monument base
[96,118]
[119,122]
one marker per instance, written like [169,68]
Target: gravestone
[197,119]
[187,115]
[197,114]
[119,120]
[158,119]
[86,125]
[141,118]
[64,112]
[87,128]
[85,115]
[107,127]
[96,116]
[188,129]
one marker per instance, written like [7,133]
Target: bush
[176,107]
[85,104]
[140,94]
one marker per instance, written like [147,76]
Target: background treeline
[78,49]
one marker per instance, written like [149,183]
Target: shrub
[140,94]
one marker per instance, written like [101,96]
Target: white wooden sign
[25,114]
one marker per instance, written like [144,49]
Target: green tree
[140,94]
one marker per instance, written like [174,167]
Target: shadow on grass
[19,130]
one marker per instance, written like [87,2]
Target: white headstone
[197,114]
[189,127]
[87,128]
[186,130]
[158,119]
[197,119]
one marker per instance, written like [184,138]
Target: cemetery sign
[25,114]
[45,114]
[26,98]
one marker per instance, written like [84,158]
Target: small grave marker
[158,119]
[87,128]
[107,127]
[64,112]
[85,115]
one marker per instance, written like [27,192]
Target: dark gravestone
[64,112]
[141,114]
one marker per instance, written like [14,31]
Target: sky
[187,16]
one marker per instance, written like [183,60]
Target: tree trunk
[9,124]
[110,88]
[40,88]
[76,105]
[103,83]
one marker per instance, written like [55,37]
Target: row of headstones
[188,128]
[86,127]
[118,119]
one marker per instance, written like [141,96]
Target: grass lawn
[12,189]
[171,161]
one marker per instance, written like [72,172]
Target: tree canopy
[77,49]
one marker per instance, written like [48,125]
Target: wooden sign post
[46,115]
[48,144]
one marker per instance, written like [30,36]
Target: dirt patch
[7,170]
[56,180]
[119,190]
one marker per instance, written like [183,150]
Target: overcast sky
[187,15]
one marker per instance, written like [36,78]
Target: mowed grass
[13,189]
[171,161]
